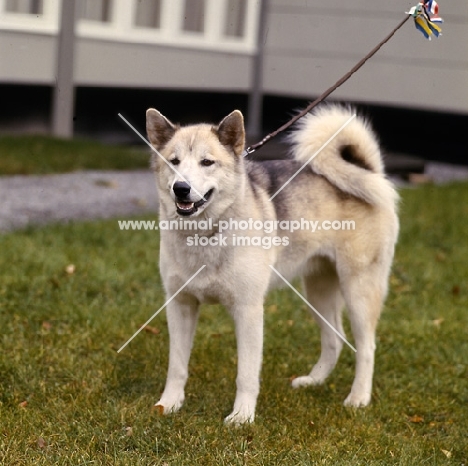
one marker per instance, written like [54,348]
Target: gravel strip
[38,200]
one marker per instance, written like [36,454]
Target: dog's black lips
[189,208]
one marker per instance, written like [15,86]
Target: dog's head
[196,165]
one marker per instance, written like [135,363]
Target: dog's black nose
[181,189]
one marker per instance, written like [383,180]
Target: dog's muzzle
[184,205]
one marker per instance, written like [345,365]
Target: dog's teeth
[187,206]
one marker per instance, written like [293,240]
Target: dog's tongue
[185,205]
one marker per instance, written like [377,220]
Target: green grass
[26,155]
[68,398]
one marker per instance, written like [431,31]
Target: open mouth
[189,208]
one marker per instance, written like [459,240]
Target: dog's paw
[305,381]
[357,400]
[168,405]
[243,411]
[242,416]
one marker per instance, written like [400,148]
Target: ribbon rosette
[426,18]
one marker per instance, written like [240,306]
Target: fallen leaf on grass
[128,431]
[70,269]
[153,330]
[416,419]
[41,443]
[447,453]
[158,409]
[55,283]
[46,325]
[23,404]
[440,256]
[437,322]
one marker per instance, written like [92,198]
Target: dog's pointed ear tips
[234,118]
[231,132]
[159,129]
[153,114]
[237,113]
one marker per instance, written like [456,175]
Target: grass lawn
[26,155]
[68,398]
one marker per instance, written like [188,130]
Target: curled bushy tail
[343,148]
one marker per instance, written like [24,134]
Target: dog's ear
[231,132]
[159,129]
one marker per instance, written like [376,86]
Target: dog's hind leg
[323,293]
[182,315]
[364,294]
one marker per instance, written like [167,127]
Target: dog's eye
[207,163]
[175,161]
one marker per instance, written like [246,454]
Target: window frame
[46,23]
[121,25]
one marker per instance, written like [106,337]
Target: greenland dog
[216,197]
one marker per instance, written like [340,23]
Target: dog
[335,173]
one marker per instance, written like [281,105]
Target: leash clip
[249,150]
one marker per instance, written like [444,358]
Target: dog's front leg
[249,333]
[182,315]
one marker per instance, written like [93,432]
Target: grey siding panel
[447,8]
[27,58]
[388,83]
[311,44]
[30,58]
[156,66]
[309,35]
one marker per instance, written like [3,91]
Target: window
[226,25]
[194,15]
[31,7]
[235,18]
[148,14]
[94,10]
